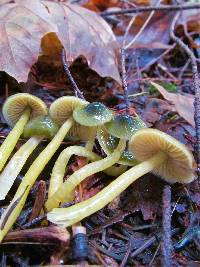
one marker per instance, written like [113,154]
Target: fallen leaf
[22,25]
[80,31]
[182,103]
[154,110]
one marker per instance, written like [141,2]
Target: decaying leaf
[80,31]
[182,103]
[22,25]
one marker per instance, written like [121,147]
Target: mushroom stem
[60,165]
[14,166]
[66,191]
[73,214]
[16,205]
[9,143]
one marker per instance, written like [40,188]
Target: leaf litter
[136,217]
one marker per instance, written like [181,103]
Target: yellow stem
[12,212]
[15,165]
[73,214]
[60,165]
[9,143]
[58,171]
[90,142]
[66,191]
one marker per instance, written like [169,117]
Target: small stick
[196,85]
[149,242]
[124,82]
[34,222]
[166,242]
[45,235]
[77,91]
[126,256]
[151,8]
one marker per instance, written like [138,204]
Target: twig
[149,242]
[125,259]
[142,28]
[151,8]
[124,81]
[77,91]
[45,235]
[123,56]
[155,254]
[196,85]
[34,222]
[166,242]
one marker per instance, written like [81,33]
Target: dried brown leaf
[22,25]
[182,103]
[80,31]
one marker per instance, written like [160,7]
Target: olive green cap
[41,126]
[93,114]
[124,126]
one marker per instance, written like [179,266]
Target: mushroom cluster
[147,150]
[157,152]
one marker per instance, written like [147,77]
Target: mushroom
[17,110]
[109,142]
[93,115]
[83,132]
[159,152]
[122,126]
[37,128]
[61,111]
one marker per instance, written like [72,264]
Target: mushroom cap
[41,126]
[93,114]
[62,108]
[109,143]
[15,105]
[124,126]
[178,166]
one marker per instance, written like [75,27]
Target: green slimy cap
[124,126]
[93,114]
[109,143]
[41,126]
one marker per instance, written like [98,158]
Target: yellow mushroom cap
[15,105]
[62,109]
[178,166]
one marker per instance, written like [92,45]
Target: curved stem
[66,191]
[9,143]
[73,214]
[60,165]
[15,165]
[16,205]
